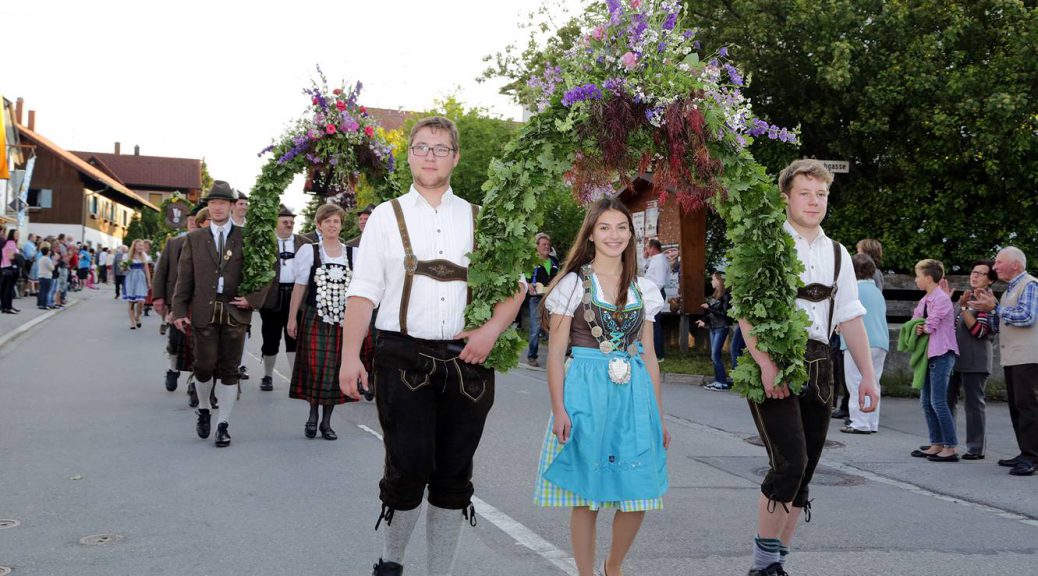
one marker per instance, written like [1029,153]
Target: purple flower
[661,47]
[614,85]
[671,21]
[637,28]
[615,10]
[733,74]
[688,34]
[696,45]
[265,150]
[581,93]
[759,127]
[723,51]
[773,132]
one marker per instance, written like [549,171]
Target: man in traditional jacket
[274,312]
[433,392]
[164,282]
[209,272]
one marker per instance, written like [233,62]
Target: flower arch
[336,143]
[635,95]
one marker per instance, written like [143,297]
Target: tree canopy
[935,105]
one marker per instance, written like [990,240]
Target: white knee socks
[442,528]
[204,389]
[226,395]
[291,362]
[268,365]
[398,534]
[173,363]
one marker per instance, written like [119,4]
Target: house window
[93,205]
[126,220]
[40,198]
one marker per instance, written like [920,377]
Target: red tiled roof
[150,171]
[390,119]
[85,168]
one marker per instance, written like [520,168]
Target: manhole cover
[756,441]
[8,524]
[825,476]
[100,539]
[4,570]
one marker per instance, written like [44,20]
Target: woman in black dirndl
[324,268]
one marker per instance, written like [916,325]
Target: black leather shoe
[243,374]
[310,429]
[387,569]
[1010,462]
[267,384]
[1024,468]
[223,439]
[772,570]
[192,395]
[921,454]
[203,423]
[328,434]
[171,379]
[840,413]
[972,456]
[939,458]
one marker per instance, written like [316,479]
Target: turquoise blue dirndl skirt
[615,456]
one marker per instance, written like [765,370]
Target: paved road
[91,443]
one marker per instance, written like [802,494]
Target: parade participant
[147,300]
[433,393]
[208,275]
[137,282]
[605,446]
[275,311]
[367,350]
[543,274]
[322,272]
[164,282]
[187,357]
[794,427]
[118,269]
[238,211]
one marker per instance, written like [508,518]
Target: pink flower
[330,129]
[629,60]
[340,105]
[598,33]
[636,4]
[369,131]
[337,91]
[363,110]
[314,99]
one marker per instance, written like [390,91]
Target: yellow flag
[5,172]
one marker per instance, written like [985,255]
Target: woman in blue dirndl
[138,281]
[605,446]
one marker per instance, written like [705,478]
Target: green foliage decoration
[630,95]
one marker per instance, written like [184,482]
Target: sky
[221,80]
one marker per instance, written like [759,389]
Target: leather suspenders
[816,292]
[440,270]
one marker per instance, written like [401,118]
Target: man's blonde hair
[435,123]
[806,167]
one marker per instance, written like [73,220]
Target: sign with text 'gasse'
[837,166]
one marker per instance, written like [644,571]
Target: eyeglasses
[422,150]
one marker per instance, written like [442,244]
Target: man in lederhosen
[208,275]
[274,312]
[164,281]
[433,393]
[794,427]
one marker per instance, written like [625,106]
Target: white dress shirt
[436,310]
[818,260]
[215,229]
[287,272]
[304,260]
[658,270]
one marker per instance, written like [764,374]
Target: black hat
[366,210]
[220,191]
[198,207]
[241,195]
[283,211]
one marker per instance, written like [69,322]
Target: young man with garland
[208,274]
[794,427]
[433,392]
[164,283]
[274,312]
[239,209]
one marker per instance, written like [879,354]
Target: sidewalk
[15,325]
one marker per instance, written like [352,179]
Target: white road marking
[521,534]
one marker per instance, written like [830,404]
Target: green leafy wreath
[335,142]
[634,96]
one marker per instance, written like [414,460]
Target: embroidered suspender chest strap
[440,270]
[816,292]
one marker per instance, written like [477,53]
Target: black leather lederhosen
[793,429]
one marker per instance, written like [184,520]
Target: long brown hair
[583,252]
[719,291]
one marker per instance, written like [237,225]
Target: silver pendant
[619,371]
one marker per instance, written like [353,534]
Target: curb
[6,338]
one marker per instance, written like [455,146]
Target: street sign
[837,166]
[17,205]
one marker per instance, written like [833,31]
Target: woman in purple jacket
[942,350]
